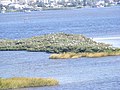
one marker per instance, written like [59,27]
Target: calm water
[73,74]
[92,22]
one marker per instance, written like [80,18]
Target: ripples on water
[92,22]
[80,74]
[73,74]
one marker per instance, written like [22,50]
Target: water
[78,74]
[102,24]
[92,22]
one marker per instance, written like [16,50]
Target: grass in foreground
[86,54]
[11,83]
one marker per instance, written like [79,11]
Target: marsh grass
[11,83]
[85,54]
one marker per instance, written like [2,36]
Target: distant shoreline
[47,9]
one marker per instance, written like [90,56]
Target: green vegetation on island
[55,43]
[11,83]
[58,43]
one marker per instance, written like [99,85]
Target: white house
[5,2]
[100,3]
[26,1]
[16,6]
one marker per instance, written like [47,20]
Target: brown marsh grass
[85,54]
[10,83]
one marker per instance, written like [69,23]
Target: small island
[22,82]
[62,45]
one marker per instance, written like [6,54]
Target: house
[100,3]
[5,2]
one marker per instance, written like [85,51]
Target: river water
[101,24]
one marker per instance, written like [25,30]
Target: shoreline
[51,8]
